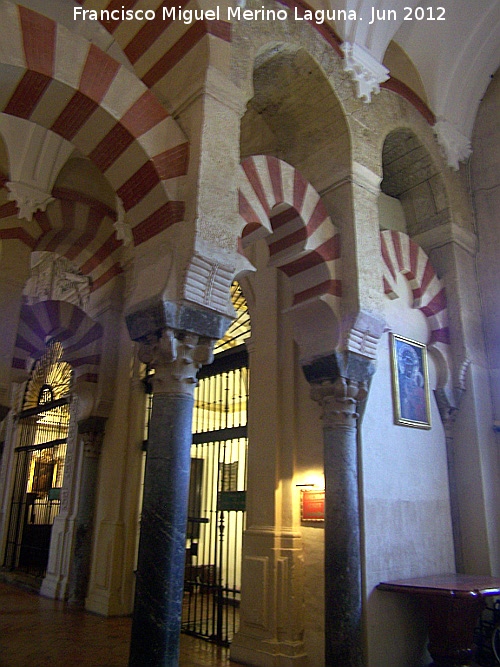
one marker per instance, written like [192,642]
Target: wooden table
[452,604]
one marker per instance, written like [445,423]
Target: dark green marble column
[338,396]
[160,570]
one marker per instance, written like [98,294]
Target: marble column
[339,387]
[176,357]
[91,432]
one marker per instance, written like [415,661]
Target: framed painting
[410,382]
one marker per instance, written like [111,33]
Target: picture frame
[312,505]
[410,382]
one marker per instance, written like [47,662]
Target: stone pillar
[175,356]
[91,431]
[448,414]
[339,383]
[14,271]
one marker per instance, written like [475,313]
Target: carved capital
[91,431]
[339,400]
[176,357]
[92,444]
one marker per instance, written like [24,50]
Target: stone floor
[38,632]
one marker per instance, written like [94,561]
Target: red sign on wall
[312,505]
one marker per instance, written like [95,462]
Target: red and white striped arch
[79,335]
[156,48]
[81,230]
[73,226]
[402,255]
[61,81]
[276,202]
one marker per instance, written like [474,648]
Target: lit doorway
[39,463]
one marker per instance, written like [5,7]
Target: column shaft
[84,522]
[342,548]
[339,384]
[176,356]
[160,570]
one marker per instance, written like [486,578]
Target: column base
[106,587]
[271,618]
[55,583]
[262,653]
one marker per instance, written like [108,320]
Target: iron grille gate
[217,491]
[216,511]
[38,480]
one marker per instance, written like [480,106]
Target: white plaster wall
[405,503]
[485,181]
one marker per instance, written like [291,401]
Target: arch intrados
[403,147]
[73,226]
[275,65]
[59,131]
[79,335]
[402,256]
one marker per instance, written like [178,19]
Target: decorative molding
[364,69]
[455,145]
[28,199]
[36,156]
[437,237]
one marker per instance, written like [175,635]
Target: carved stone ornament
[56,278]
[121,226]
[339,400]
[92,443]
[364,69]
[208,283]
[455,145]
[29,200]
[176,357]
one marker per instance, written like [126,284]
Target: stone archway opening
[295,115]
[411,176]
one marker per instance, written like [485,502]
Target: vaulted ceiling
[455,56]
[446,51]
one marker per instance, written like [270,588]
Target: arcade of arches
[250,357]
